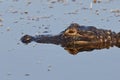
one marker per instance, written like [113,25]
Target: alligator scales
[77,38]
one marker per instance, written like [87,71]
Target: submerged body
[77,38]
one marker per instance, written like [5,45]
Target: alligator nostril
[26,39]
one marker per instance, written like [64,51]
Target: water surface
[52,62]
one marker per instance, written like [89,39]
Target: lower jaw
[80,43]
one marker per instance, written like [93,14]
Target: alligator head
[77,38]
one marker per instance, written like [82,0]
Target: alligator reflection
[77,38]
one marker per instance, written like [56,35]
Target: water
[52,62]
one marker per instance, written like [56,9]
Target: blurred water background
[52,62]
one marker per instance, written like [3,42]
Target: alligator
[78,38]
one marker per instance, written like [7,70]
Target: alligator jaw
[57,39]
[41,39]
[49,39]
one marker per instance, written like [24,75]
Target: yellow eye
[71,32]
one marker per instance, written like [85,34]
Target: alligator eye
[71,32]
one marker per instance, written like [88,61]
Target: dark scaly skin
[77,38]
